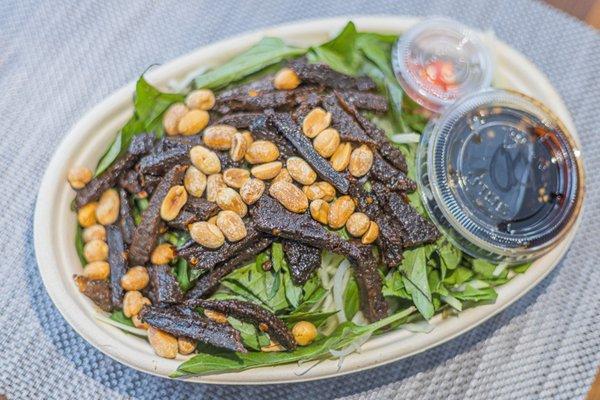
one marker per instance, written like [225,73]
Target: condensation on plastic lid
[440,60]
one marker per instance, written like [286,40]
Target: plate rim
[112,104]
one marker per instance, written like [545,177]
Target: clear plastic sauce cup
[439,61]
[501,176]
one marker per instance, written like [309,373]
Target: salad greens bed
[432,279]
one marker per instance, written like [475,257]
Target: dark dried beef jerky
[97,291]
[164,288]
[344,123]
[130,181]
[140,144]
[241,120]
[146,234]
[209,282]
[254,314]
[256,102]
[322,74]
[159,163]
[125,218]
[118,263]
[149,183]
[193,326]
[366,101]
[302,260]
[391,177]
[370,284]
[286,126]
[195,209]
[262,129]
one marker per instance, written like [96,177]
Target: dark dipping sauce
[507,176]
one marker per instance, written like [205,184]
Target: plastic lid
[440,60]
[504,174]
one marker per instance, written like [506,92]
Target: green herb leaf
[182,275]
[79,244]
[351,298]
[266,52]
[121,318]
[340,53]
[317,318]
[251,337]
[277,256]
[414,267]
[149,106]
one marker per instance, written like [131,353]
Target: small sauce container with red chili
[439,61]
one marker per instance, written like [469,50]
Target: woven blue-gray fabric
[59,58]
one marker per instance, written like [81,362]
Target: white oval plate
[54,221]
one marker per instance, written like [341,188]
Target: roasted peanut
[232,226]
[251,190]
[86,216]
[361,161]
[239,145]
[371,235]
[216,316]
[95,250]
[205,160]
[328,190]
[164,253]
[164,344]
[214,183]
[327,142]
[248,138]
[319,190]
[206,234]
[193,122]
[283,175]
[107,211]
[94,232]
[267,171]
[133,302]
[341,157]
[301,171]
[357,224]
[315,122]
[201,99]
[212,220]
[272,347]
[137,322]
[286,79]
[235,177]
[173,203]
[261,151]
[290,196]
[339,211]
[186,345]
[136,278]
[219,137]
[319,210]
[97,270]
[172,117]
[304,332]
[194,181]
[229,199]
[79,176]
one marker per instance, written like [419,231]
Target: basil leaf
[317,318]
[340,53]
[251,337]
[266,52]
[121,318]
[79,245]
[351,298]
[149,106]
[277,256]
[414,267]
[476,295]
[182,275]
[459,276]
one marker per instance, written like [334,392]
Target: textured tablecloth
[58,59]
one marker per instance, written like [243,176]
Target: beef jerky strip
[254,314]
[195,209]
[344,123]
[256,102]
[286,127]
[265,84]
[390,176]
[302,260]
[390,238]
[205,259]
[366,101]
[140,145]
[271,217]
[370,284]
[261,128]
[125,218]
[146,234]
[385,148]
[129,180]
[117,260]
[193,326]
[417,230]
[164,288]
[159,163]
[322,74]
[209,282]
[241,120]
[97,291]
[149,183]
